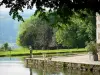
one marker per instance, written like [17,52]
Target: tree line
[5,47]
[53,34]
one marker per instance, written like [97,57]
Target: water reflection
[31,73]
[18,68]
[63,72]
[50,68]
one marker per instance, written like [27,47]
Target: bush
[92,47]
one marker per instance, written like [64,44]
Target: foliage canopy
[64,8]
[77,32]
[35,32]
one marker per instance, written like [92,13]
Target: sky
[26,11]
[9,26]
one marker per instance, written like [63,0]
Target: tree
[26,36]
[64,8]
[5,45]
[77,32]
[35,32]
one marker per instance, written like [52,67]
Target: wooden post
[30,48]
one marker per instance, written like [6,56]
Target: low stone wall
[57,65]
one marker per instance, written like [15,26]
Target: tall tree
[35,32]
[77,32]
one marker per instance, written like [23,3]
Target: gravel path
[83,58]
[80,58]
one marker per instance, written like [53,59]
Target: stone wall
[98,28]
[58,65]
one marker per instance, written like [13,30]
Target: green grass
[23,51]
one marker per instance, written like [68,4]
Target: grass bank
[25,52]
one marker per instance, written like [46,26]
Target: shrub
[92,47]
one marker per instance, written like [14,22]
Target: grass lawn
[23,51]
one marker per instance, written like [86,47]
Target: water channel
[15,66]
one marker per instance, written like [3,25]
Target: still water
[15,66]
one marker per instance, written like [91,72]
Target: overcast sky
[7,24]
[25,14]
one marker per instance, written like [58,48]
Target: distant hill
[9,27]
